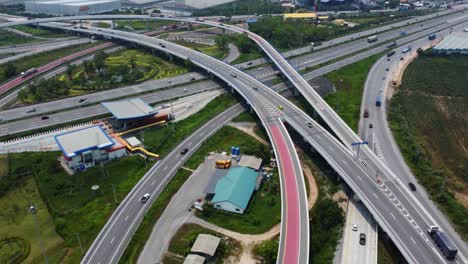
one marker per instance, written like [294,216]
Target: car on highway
[387,69]
[185,150]
[366,113]
[371,125]
[309,124]
[249,63]
[188,106]
[355,227]
[362,239]
[82,100]
[186,89]
[407,49]
[401,58]
[412,186]
[145,198]
[234,75]
[44,117]
[30,110]
[383,77]
[280,107]
[192,79]
[255,88]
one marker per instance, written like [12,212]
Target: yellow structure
[309,15]
[223,164]
[323,17]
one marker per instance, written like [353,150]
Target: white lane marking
[165,168]
[359,177]
[190,144]
[126,218]
[112,240]
[414,241]
[375,195]
[152,183]
[393,216]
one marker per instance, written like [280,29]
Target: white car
[355,227]
[188,106]
[145,198]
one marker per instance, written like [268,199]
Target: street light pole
[33,210]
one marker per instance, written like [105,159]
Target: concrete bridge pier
[113,23]
[147,24]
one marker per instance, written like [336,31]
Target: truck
[391,45]
[443,242]
[28,72]
[372,39]
[390,53]
[378,101]
[223,164]
[432,37]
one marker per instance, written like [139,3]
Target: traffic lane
[37,122]
[133,210]
[66,103]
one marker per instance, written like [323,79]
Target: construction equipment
[223,164]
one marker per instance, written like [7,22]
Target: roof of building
[300,15]
[455,41]
[194,259]
[129,108]
[250,161]
[133,141]
[206,244]
[74,2]
[236,187]
[78,141]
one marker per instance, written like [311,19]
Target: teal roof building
[233,191]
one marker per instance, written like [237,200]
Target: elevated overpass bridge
[391,204]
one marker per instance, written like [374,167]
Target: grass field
[152,68]
[213,51]
[41,32]
[4,166]
[429,117]
[244,57]
[8,38]
[349,82]
[16,221]
[70,198]
[44,58]
[141,24]
[186,236]
[161,140]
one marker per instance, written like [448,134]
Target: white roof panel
[75,142]
[130,108]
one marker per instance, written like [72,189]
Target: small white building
[85,147]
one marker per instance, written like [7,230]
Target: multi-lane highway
[409,219]
[380,136]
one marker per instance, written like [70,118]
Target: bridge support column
[152,51]
[295,91]
[37,25]
[147,25]
[113,23]
[211,75]
[81,23]
[224,31]
[171,58]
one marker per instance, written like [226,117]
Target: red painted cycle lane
[292,234]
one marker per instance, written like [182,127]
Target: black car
[44,117]
[82,100]
[412,186]
[362,239]
[185,150]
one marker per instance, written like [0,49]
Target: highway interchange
[356,174]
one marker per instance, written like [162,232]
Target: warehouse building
[85,147]
[456,43]
[233,191]
[71,7]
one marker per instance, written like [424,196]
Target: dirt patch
[313,188]
[462,198]
[341,198]
[248,128]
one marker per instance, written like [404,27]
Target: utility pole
[33,210]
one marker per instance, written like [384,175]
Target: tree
[10,70]
[70,69]
[244,43]
[222,42]
[132,63]
[100,60]
[268,250]
[23,95]
[88,67]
